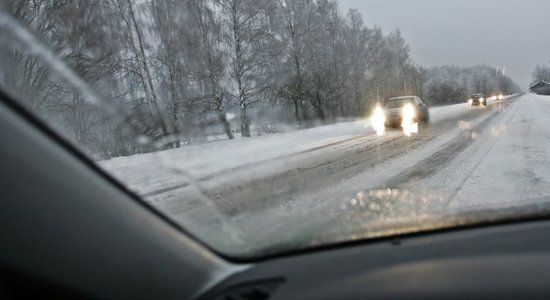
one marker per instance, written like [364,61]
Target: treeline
[541,72]
[185,70]
[453,84]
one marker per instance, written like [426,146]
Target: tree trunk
[320,112]
[297,112]
[225,125]
[245,128]
[175,127]
[175,111]
[76,118]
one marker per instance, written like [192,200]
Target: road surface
[342,182]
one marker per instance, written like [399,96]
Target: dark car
[477,99]
[394,110]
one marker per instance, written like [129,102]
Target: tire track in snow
[367,137]
[459,165]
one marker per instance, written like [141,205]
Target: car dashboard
[505,261]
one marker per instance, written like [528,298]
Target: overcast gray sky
[510,33]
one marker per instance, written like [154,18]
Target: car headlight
[378,120]
[500,97]
[408,111]
[470,101]
[480,99]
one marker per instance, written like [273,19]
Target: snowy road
[316,180]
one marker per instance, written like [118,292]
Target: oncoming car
[477,99]
[396,109]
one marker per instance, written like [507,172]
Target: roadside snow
[143,171]
[512,165]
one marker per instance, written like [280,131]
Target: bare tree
[87,51]
[209,62]
[248,37]
[541,72]
[171,23]
[20,72]
[135,39]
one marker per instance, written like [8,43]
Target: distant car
[499,96]
[395,108]
[477,99]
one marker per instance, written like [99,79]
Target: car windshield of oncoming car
[259,127]
[399,103]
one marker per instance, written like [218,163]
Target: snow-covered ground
[341,182]
[510,162]
[143,172]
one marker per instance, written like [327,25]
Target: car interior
[70,230]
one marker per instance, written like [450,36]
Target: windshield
[257,125]
[398,103]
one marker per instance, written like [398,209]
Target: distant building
[540,87]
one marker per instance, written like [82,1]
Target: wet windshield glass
[259,126]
